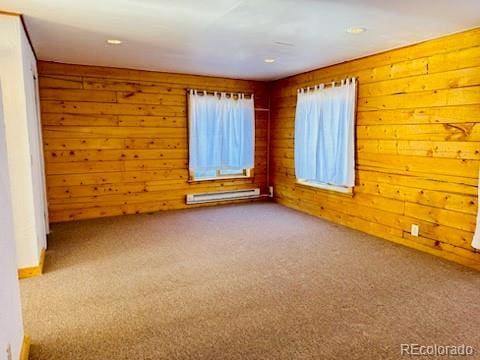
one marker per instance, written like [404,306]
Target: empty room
[239,179]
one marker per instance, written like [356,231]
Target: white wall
[30,76]
[11,325]
[23,149]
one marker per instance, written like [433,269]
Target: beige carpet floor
[252,281]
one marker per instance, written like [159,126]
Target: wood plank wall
[115,140]
[418,146]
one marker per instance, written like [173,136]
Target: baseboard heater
[222,196]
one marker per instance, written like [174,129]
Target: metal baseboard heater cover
[223,196]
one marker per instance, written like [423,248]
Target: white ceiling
[232,37]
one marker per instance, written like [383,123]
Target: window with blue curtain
[221,135]
[325,136]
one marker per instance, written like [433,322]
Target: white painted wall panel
[11,328]
[22,147]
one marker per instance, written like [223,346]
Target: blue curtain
[221,131]
[325,134]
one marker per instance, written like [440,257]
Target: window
[221,135]
[324,136]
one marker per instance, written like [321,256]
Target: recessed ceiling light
[114,42]
[269,61]
[356,30]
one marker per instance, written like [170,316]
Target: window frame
[340,189]
[324,186]
[247,174]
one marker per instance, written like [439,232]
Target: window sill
[223,178]
[339,190]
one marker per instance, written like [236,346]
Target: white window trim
[342,189]
[247,175]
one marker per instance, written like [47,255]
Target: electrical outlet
[270,191]
[415,229]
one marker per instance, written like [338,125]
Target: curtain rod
[332,84]
[210,92]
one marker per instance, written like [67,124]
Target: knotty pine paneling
[417,146]
[115,140]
